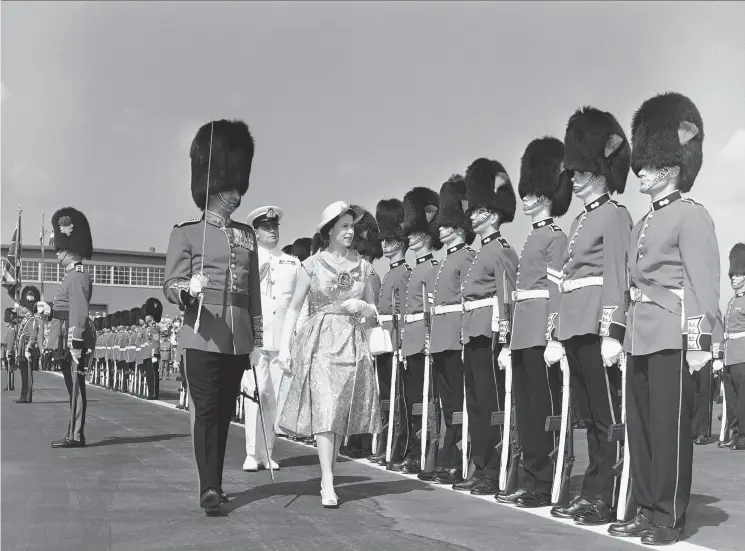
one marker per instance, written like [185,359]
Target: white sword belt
[480,303]
[637,295]
[446,309]
[388,317]
[411,318]
[569,285]
[734,336]
[518,296]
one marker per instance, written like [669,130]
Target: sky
[347,101]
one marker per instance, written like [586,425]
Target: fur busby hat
[541,174]
[595,142]
[287,249]
[153,307]
[737,259]
[316,243]
[29,297]
[421,205]
[488,186]
[107,322]
[72,232]
[230,161]
[453,206]
[302,247]
[98,323]
[390,217]
[10,315]
[667,130]
[366,239]
[135,315]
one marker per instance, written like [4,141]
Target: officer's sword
[257,399]
[204,232]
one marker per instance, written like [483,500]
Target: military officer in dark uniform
[71,330]
[212,271]
[487,295]
[673,262]
[153,310]
[27,341]
[9,344]
[535,386]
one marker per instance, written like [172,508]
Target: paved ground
[134,487]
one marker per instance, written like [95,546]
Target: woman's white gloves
[358,307]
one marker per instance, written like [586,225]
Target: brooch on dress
[344,279]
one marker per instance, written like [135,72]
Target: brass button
[232,255]
[232,266]
[235,276]
[234,287]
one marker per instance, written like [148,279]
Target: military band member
[153,311]
[732,364]
[212,271]
[70,330]
[389,215]
[590,325]
[456,236]
[673,264]
[487,291]
[27,341]
[9,346]
[420,228]
[278,273]
[536,386]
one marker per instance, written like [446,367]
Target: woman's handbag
[378,338]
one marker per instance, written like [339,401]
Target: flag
[11,278]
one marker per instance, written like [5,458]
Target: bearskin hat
[390,217]
[153,307]
[421,205]
[452,207]
[98,323]
[737,259]
[541,174]
[107,322]
[29,297]
[72,232]
[488,186]
[366,240]
[317,243]
[232,152]
[667,130]
[287,249]
[302,247]
[10,315]
[135,315]
[595,142]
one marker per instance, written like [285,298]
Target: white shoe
[250,464]
[329,499]
[265,463]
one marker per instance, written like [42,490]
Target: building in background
[121,279]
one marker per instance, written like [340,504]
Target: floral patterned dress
[332,387]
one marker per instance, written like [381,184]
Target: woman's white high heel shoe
[329,499]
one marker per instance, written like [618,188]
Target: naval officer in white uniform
[278,273]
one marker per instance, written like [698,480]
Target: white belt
[387,317]
[637,295]
[569,285]
[481,303]
[517,296]
[733,336]
[411,318]
[446,309]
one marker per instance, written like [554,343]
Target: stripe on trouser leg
[551,399]
[677,445]
[192,421]
[613,419]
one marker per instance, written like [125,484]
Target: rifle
[394,378]
[511,449]
[619,432]
[428,387]
[724,429]
[563,454]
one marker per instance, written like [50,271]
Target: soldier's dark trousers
[736,396]
[214,381]
[151,375]
[701,399]
[448,372]
[658,415]
[67,365]
[537,392]
[484,396]
[413,379]
[27,378]
[383,365]
[595,392]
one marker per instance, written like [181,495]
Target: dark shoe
[210,501]
[576,506]
[701,440]
[448,476]
[428,476]
[67,443]
[223,497]
[728,443]
[395,466]
[466,485]
[510,498]
[377,458]
[180,406]
[739,445]
[662,535]
[411,466]
[531,500]
[635,528]
[485,487]
[21,401]
[598,513]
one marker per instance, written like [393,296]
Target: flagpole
[41,242]
[18,256]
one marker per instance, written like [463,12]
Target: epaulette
[555,227]
[469,249]
[617,204]
[80,268]
[433,262]
[503,242]
[691,201]
[408,268]
[242,226]
[188,222]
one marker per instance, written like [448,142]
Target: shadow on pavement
[136,439]
[700,514]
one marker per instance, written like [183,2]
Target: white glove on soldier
[28,354]
[43,308]
[553,353]
[717,365]
[610,350]
[697,359]
[505,359]
[76,353]
[197,283]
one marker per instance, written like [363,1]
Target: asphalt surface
[134,487]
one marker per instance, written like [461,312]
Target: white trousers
[269,376]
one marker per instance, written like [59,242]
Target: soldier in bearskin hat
[487,288]
[456,235]
[212,271]
[389,215]
[590,324]
[731,360]
[152,312]
[27,341]
[9,346]
[545,195]
[70,332]
[420,229]
[673,263]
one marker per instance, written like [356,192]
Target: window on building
[51,271]
[139,276]
[121,275]
[102,274]
[29,271]
[157,275]
[91,269]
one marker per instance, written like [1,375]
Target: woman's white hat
[337,209]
